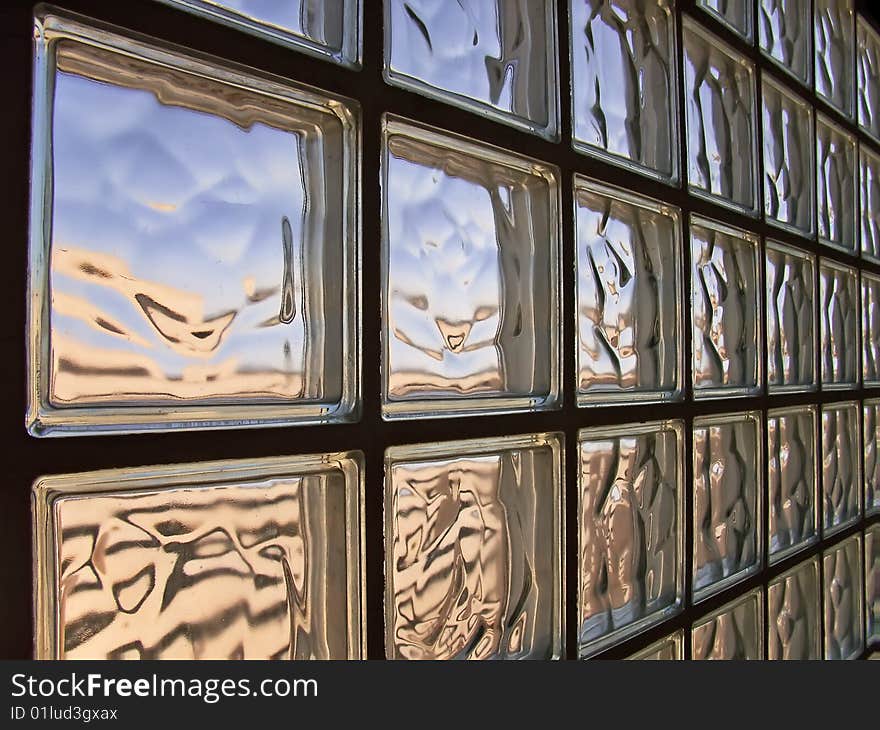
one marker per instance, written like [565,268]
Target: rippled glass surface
[869,185]
[791,322]
[624,89]
[836,184]
[193,266]
[629,296]
[872,583]
[839,324]
[843,600]
[470,254]
[735,14]
[870,329]
[721,119]
[473,534]
[791,480]
[788,158]
[868,77]
[727,503]
[793,603]
[494,57]
[668,648]
[221,560]
[630,539]
[725,310]
[733,632]
[785,35]
[841,477]
[834,28]
[871,466]
[324,28]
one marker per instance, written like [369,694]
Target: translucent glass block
[785,35]
[193,243]
[841,475]
[624,84]
[328,29]
[834,28]
[669,648]
[842,599]
[721,120]
[872,584]
[793,608]
[493,57]
[735,14]
[871,439]
[870,329]
[727,500]
[839,324]
[836,184]
[257,559]
[788,159]
[473,539]
[629,296]
[631,532]
[725,310]
[792,480]
[735,631]
[791,321]
[869,185]
[868,77]
[470,276]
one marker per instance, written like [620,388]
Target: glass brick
[868,77]
[473,540]
[631,533]
[669,648]
[725,310]
[791,321]
[869,185]
[470,276]
[721,120]
[870,329]
[624,84]
[839,324]
[257,559]
[727,502]
[792,480]
[491,57]
[871,439]
[788,159]
[329,29]
[841,476]
[834,28]
[193,265]
[836,184]
[843,600]
[785,35]
[629,296]
[793,603]
[734,631]
[872,583]
[735,14]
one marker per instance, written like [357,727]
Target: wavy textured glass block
[841,458]
[868,77]
[793,608]
[255,559]
[791,321]
[624,87]
[843,600]
[869,187]
[629,296]
[473,566]
[328,29]
[836,184]
[193,264]
[725,310]
[721,120]
[871,467]
[785,35]
[727,500]
[792,479]
[631,532]
[872,584]
[493,57]
[788,158]
[833,24]
[870,329]
[470,256]
[733,632]
[735,14]
[667,649]
[839,324]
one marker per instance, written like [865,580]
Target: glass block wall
[489,330]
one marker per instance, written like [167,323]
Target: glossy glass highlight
[869,186]
[871,464]
[841,473]
[842,599]
[834,30]
[667,649]
[785,35]
[870,329]
[868,77]
[793,602]
[733,632]
[836,185]
[839,324]
[735,14]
